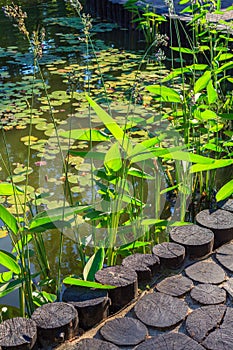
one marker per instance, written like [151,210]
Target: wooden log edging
[210,281]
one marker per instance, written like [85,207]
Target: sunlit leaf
[112,126]
[215,165]
[9,219]
[9,261]
[166,94]
[112,158]
[77,282]
[85,135]
[94,264]
[7,189]
[225,191]
[202,82]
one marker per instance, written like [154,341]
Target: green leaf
[208,115]
[111,125]
[202,82]
[183,50]
[215,165]
[168,189]
[131,200]
[10,287]
[8,219]
[224,67]
[174,73]
[94,264]
[85,135]
[167,94]
[180,223]
[5,276]
[157,222]
[211,93]
[53,216]
[112,158]
[189,157]
[88,284]
[228,116]
[89,155]
[225,191]
[7,189]
[133,245]
[9,261]
[225,56]
[140,173]
[197,66]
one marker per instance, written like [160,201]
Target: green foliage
[77,282]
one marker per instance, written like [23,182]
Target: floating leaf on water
[29,138]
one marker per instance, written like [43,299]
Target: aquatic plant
[170,134]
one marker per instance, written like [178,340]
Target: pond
[64,54]
[49,152]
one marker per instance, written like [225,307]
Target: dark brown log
[222,338]
[220,222]
[175,286]
[145,265]
[219,340]
[225,256]
[92,304]
[171,255]
[203,320]
[170,341]
[228,286]
[161,310]
[126,283]
[208,294]
[18,334]
[206,272]
[56,322]
[198,241]
[124,331]
[226,205]
[94,344]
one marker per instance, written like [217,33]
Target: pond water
[70,68]
[63,55]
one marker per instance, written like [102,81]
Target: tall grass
[195,101]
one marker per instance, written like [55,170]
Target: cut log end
[171,255]
[125,281]
[198,241]
[18,333]
[56,322]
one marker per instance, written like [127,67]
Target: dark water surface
[16,64]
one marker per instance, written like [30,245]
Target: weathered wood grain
[208,294]
[198,241]
[220,222]
[206,272]
[124,331]
[160,310]
[18,334]
[203,320]
[145,265]
[56,322]
[224,255]
[171,255]
[170,341]
[125,281]
[175,286]
[93,344]
[222,338]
